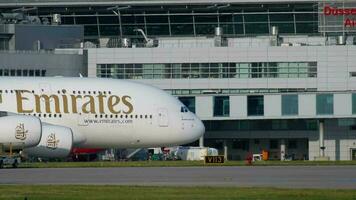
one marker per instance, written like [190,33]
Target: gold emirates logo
[52,143]
[20,132]
[72,103]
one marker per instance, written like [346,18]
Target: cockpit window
[184,109]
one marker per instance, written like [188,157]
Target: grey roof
[12,3]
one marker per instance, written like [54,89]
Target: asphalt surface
[285,177]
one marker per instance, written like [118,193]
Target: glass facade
[241,144]
[290,104]
[255,105]
[262,125]
[274,144]
[209,70]
[221,106]
[354,103]
[187,20]
[324,104]
[22,72]
[189,102]
[292,144]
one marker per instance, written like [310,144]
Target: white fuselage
[103,112]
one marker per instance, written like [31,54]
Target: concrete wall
[54,64]
[273,107]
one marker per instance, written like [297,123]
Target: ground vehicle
[13,161]
[9,158]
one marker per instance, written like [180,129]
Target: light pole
[116,10]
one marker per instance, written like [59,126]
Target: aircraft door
[163,120]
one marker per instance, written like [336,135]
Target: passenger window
[184,109]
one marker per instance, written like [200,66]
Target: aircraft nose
[200,128]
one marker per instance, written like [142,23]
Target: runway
[330,177]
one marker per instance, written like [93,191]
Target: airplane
[48,116]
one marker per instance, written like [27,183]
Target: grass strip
[89,192]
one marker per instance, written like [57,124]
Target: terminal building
[268,75]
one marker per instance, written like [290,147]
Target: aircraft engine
[19,131]
[56,142]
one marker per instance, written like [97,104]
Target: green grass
[178,164]
[63,192]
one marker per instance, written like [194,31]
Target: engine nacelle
[20,131]
[56,142]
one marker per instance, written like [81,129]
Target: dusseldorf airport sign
[337,16]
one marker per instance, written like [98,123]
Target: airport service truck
[8,157]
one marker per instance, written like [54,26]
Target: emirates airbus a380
[49,116]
